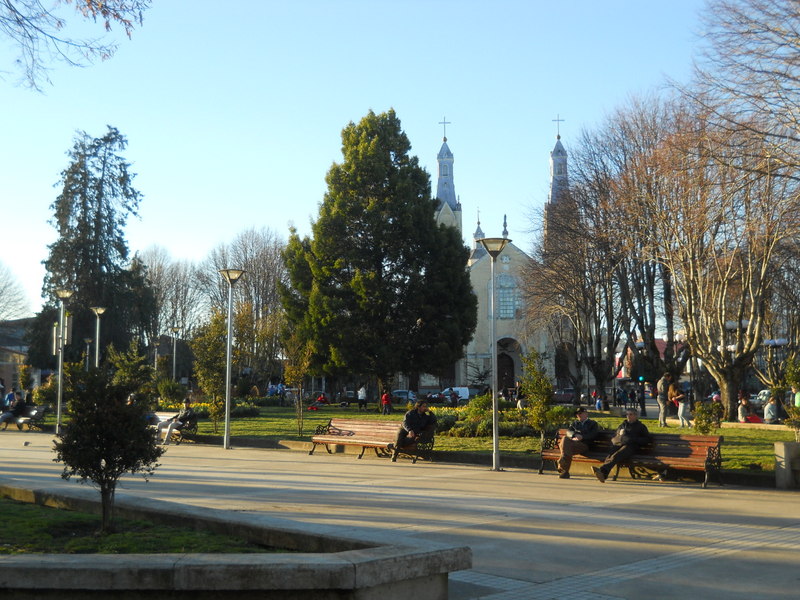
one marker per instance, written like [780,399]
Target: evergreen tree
[380,288]
[90,256]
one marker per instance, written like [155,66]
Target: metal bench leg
[363,448]
[313,447]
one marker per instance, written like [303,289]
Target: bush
[244,409]
[170,391]
[707,416]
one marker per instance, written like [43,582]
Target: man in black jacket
[630,436]
[578,440]
[418,422]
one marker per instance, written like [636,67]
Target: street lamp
[175,329]
[494,246]
[88,342]
[231,276]
[155,359]
[97,310]
[63,296]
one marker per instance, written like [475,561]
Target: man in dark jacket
[578,440]
[630,436]
[417,422]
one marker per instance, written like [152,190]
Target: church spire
[445,189]
[449,210]
[559,184]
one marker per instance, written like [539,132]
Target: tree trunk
[107,500]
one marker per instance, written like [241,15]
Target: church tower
[559,186]
[449,209]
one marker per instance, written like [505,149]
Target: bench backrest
[377,430]
[663,444]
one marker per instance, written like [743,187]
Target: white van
[463,393]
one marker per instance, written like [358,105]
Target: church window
[444,170]
[508,297]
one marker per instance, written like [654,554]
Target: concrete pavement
[533,536]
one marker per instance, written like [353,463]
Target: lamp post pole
[97,310]
[155,358]
[63,296]
[88,342]
[494,246]
[175,329]
[231,276]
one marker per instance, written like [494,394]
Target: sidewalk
[533,536]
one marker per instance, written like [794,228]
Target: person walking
[662,397]
[678,398]
[386,403]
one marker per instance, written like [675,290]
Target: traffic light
[641,378]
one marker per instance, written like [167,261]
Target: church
[514,338]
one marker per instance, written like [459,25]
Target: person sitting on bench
[179,421]
[629,438]
[416,422]
[578,440]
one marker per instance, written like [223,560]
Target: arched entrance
[505,371]
[508,363]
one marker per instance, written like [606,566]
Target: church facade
[513,337]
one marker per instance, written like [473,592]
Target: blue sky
[233,117]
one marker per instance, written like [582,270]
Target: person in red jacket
[386,403]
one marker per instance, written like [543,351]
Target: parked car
[565,396]
[407,395]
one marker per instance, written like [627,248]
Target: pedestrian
[662,397]
[362,398]
[386,403]
[678,398]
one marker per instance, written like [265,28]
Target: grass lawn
[30,528]
[748,450]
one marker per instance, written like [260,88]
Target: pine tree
[91,256]
[380,288]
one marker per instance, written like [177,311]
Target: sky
[234,112]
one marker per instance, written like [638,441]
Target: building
[513,337]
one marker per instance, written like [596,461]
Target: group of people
[629,437]
[669,393]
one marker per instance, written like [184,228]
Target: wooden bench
[381,436]
[666,451]
[177,434]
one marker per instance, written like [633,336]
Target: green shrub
[707,416]
[170,391]
[244,409]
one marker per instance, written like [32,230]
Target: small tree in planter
[106,437]
[536,386]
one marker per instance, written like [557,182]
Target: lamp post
[155,357]
[63,296]
[97,310]
[88,342]
[494,246]
[175,329]
[231,276]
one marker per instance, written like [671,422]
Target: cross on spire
[444,123]
[557,121]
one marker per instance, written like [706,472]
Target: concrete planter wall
[327,566]
[787,465]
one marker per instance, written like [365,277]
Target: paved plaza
[533,536]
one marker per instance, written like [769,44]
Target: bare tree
[259,314]
[38,31]
[724,214]
[13,304]
[180,300]
[748,75]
